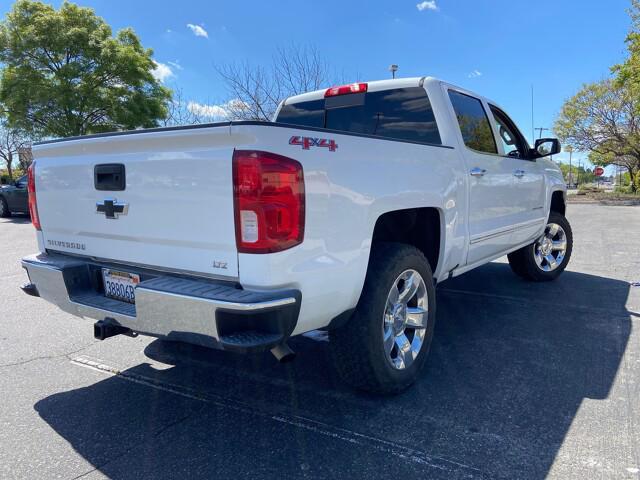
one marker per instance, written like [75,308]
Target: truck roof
[378,85]
[373,86]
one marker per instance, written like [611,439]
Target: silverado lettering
[60,243]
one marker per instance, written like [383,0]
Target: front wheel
[386,342]
[547,257]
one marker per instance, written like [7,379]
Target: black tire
[4,208]
[357,348]
[523,261]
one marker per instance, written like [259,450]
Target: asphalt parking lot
[524,381]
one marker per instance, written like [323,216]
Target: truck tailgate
[178,199]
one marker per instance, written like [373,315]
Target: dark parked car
[14,198]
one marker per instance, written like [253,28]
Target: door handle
[519,173]
[477,172]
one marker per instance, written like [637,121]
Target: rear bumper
[189,309]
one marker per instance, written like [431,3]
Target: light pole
[579,167]
[569,149]
[619,175]
[393,68]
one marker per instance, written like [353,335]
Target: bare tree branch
[255,92]
[12,143]
[179,112]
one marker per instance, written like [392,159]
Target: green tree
[628,73]
[602,118]
[630,163]
[579,174]
[65,74]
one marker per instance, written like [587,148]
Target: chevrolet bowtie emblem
[112,208]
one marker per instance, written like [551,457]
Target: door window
[513,143]
[474,123]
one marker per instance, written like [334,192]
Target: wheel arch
[402,226]
[406,226]
[558,202]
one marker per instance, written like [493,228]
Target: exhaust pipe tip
[30,289]
[283,353]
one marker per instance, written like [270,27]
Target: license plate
[120,285]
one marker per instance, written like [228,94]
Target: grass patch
[589,194]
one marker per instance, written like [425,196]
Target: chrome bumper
[194,310]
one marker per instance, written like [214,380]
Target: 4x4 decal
[307,142]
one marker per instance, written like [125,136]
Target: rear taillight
[31,190]
[268,194]
[346,89]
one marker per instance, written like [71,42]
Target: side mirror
[546,146]
[19,185]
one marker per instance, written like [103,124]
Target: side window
[474,123]
[407,115]
[513,143]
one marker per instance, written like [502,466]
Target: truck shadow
[20,218]
[510,365]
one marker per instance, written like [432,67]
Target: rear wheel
[547,257]
[4,208]
[385,344]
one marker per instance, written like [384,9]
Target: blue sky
[556,45]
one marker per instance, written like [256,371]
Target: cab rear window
[400,114]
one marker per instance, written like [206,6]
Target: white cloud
[162,71]
[475,74]
[176,65]
[204,110]
[427,5]
[197,30]
[223,111]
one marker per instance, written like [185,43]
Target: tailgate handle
[109,176]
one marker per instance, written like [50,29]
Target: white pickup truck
[342,215]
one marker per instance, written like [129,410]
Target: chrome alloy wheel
[405,319]
[550,248]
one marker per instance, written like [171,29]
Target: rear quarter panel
[346,192]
